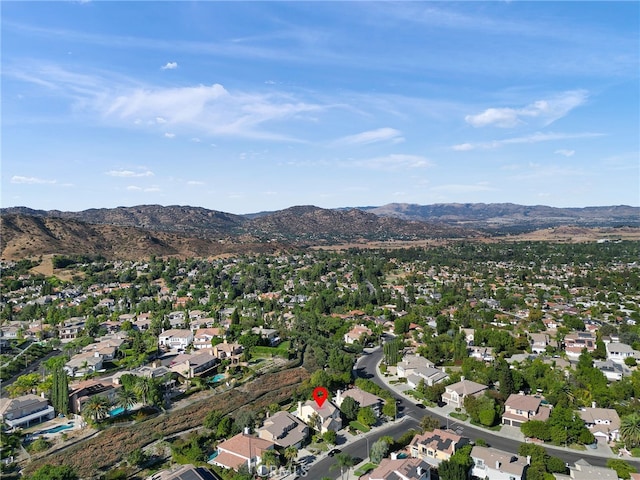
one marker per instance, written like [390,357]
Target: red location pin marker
[320,394]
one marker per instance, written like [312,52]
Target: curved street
[409,417]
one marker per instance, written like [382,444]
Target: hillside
[28,236]
[145,230]
[510,217]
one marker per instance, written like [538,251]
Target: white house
[176,338]
[604,423]
[454,394]
[497,464]
[323,418]
[618,352]
[25,410]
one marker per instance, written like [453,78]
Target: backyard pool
[213,455]
[116,411]
[217,378]
[57,429]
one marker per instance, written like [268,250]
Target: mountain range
[140,231]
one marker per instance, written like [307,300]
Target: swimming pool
[217,378]
[116,411]
[57,429]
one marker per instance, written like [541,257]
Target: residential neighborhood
[548,358]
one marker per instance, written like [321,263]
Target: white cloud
[565,152]
[129,173]
[195,182]
[170,66]
[31,180]
[394,162]
[533,138]
[372,136]
[161,120]
[169,135]
[196,140]
[463,147]
[135,188]
[542,111]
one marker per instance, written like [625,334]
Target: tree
[429,423]
[366,416]
[349,408]
[224,428]
[379,450]
[51,472]
[290,454]
[330,436]
[96,408]
[630,430]
[212,419]
[126,399]
[344,460]
[60,389]
[245,419]
[137,457]
[622,468]
[450,470]
[270,458]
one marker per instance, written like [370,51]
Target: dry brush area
[96,455]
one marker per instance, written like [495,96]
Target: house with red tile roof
[242,449]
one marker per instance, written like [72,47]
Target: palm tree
[270,458]
[630,430]
[126,399]
[143,389]
[290,453]
[96,408]
[344,460]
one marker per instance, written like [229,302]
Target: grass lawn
[495,428]
[459,416]
[364,469]
[358,426]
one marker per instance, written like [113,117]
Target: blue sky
[252,106]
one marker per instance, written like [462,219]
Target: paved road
[366,368]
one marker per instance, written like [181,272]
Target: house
[242,449]
[497,464]
[176,338]
[356,334]
[619,352]
[430,375]
[226,350]
[364,399]
[454,394]
[83,391]
[540,342]
[583,470]
[550,323]
[83,363]
[410,363]
[484,354]
[269,334]
[469,336]
[10,332]
[284,429]
[575,342]
[400,469]
[71,329]
[191,365]
[25,410]
[604,423]
[184,472]
[106,348]
[435,446]
[203,336]
[520,408]
[613,371]
[324,418]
